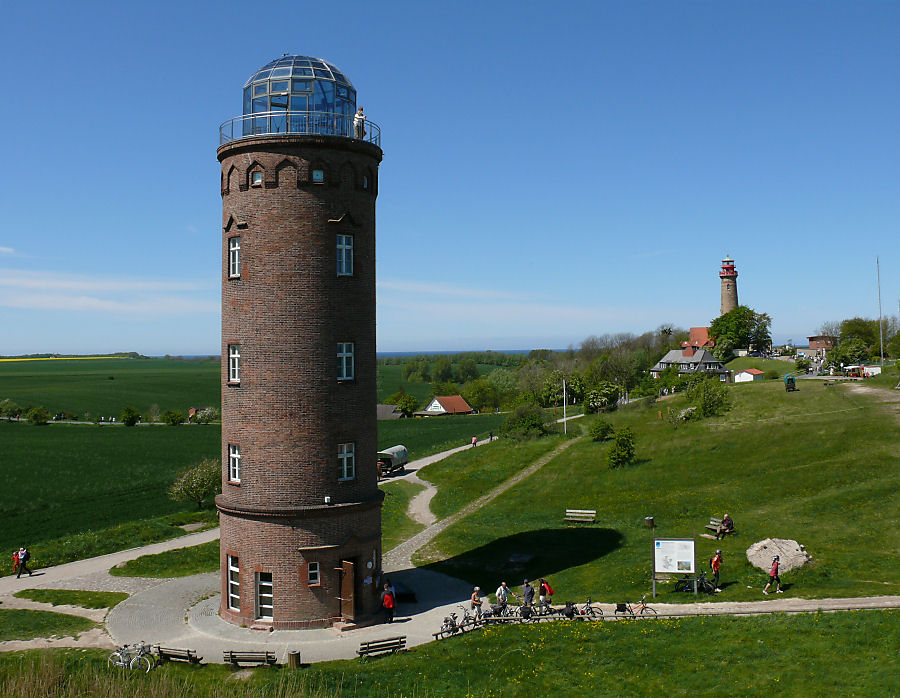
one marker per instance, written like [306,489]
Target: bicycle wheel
[647,612]
[115,659]
[141,663]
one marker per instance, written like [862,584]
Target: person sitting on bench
[726,527]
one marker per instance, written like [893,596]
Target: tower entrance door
[348,586]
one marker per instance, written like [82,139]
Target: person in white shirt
[359,124]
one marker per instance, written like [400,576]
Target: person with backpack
[24,557]
[545,591]
[387,603]
[773,577]
[715,563]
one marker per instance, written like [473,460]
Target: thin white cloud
[47,280]
[7,250]
[146,305]
[449,290]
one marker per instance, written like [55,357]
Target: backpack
[388,601]
[26,556]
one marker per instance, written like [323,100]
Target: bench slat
[392,644]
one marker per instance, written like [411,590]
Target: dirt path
[887,397]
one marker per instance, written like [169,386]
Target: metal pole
[565,423]
[880,326]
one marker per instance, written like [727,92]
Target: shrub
[622,451]
[38,416]
[201,482]
[524,421]
[207,415]
[773,375]
[709,397]
[601,430]
[172,418]
[130,417]
[602,398]
[407,405]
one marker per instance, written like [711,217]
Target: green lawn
[74,597]
[105,386]
[830,654]
[818,466]
[465,476]
[396,526]
[16,624]
[183,562]
[767,365]
[63,479]
[426,435]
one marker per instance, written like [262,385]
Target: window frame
[234,363]
[234,463]
[313,574]
[344,254]
[256,178]
[234,257]
[271,596]
[317,175]
[347,461]
[233,584]
[346,358]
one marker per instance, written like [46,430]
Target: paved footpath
[182,612]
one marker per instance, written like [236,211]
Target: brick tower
[300,509]
[728,275]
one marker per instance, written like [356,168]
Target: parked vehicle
[392,459]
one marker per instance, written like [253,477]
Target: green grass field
[64,479]
[105,386]
[183,562]
[74,597]
[767,365]
[830,654]
[818,466]
[426,435]
[396,526]
[16,624]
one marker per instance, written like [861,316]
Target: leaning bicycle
[135,657]
[590,612]
[633,611]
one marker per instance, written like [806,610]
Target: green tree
[207,415]
[851,351]
[710,397]
[9,409]
[466,370]
[603,398]
[172,418]
[442,371]
[38,416]
[863,329]
[802,364]
[199,483]
[601,430]
[130,416]
[622,451]
[481,394]
[525,421]
[893,347]
[741,327]
[407,404]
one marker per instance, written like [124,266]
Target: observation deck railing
[298,122]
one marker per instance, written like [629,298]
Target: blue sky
[551,170]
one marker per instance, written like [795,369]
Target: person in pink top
[773,577]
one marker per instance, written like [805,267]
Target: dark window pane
[339,76]
[303,71]
[322,73]
[246,100]
[302,86]
[301,61]
[299,103]
[341,91]
[317,64]
[260,89]
[279,86]
[281,72]
[279,102]
[260,104]
[262,75]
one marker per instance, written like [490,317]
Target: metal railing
[298,122]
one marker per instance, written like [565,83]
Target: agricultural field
[64,479]
[102,387]
[426,435]
[845,653]
[818,466]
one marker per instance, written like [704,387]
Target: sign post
[674,556]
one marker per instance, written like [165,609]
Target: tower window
[256,179]
[345,361]
[234,463]
[312,574]
[234,583]
[234,363]
[345,255]
[365,182]
[265,594]
[346,461]
[234,257]
[318,176]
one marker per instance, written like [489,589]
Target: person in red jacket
[773,577]
[716,563]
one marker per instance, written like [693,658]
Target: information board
[673,556]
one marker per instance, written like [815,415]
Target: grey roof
[673,357]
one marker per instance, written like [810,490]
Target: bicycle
[632,611]
[452,626]
[135,657]
[703,584]
[589,612]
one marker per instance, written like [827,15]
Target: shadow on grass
[529,555]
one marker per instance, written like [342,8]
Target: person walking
[715,563]
[476,603]
[773,577]
[490,436]
[24,557]
[474,441]
[15,561]
[503,593]
[387,603]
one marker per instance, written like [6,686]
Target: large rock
[792,554]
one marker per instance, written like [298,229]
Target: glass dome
[299,84]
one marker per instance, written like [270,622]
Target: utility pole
[880,326]
[565,423]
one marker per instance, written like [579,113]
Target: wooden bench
[387,646]
[171,653]
[714,524]
[581,515]
[238,657]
